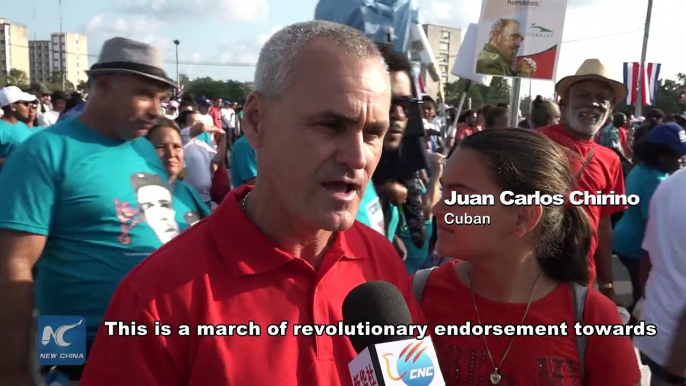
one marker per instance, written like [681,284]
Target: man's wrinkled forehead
[591,86]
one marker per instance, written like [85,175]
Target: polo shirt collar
[245,250]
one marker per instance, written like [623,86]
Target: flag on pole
[650,82]
[179,92]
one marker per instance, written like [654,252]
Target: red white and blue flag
[650,82]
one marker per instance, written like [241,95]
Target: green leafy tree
[231,90]
[17,77]
[667,99]
[498,91]
[454,90]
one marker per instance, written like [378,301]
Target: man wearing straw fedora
[587,100]
[66,197]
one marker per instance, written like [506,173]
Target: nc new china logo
[414,367]
[62,340]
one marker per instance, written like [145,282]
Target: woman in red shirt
[517,271]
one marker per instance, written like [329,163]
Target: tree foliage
[231,90]
[15,77]
[668,97]
[497,92]
[55,82]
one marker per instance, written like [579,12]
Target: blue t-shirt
[188,206]
[370,212]
[393,222]
[103,204]
[73,113]
[628,233]
[243,162]
[11,136]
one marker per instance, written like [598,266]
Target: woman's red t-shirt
[532,360]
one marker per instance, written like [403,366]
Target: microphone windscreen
[380,303]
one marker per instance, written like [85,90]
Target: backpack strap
[579,294]
[419,282]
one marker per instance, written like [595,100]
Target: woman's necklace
[245,199]
[496,377]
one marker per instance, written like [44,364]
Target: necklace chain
[244,200]
[478,318]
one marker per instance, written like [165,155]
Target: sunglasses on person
[406,103]
[32,105]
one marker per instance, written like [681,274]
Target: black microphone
[378,308]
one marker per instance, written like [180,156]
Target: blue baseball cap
[202,101]
[669,134]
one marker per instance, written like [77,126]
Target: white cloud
[245,52]
[262,38]
[235,10]
[196,57]
[141,28]
[451,13]
[441,10]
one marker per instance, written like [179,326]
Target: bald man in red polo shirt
[288,249]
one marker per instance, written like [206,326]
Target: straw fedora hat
[593,69]
[125,56]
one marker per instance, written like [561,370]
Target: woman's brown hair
[161,123]
[542,112]
[525,162]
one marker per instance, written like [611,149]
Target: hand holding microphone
[387,360]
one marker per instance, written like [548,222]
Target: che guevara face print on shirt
[155,204]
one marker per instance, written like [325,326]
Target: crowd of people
[118,206]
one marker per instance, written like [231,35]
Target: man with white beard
[587,101]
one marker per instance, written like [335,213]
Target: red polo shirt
[216,116]
[603,173]
[224,270]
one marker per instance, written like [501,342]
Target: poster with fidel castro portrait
[520,38]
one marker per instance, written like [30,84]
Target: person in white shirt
[172,110]
[228,117]
[200,156]
[433,125]
[203,111]
[59,103]
[665,259]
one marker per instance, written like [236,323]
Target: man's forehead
[401,83]
[590,85]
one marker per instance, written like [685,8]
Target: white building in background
[445,43]
[69,55]
[14,47]
[39,57]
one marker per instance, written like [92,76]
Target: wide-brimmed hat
[593,69]
[125,56]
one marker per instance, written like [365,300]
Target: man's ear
[254,113]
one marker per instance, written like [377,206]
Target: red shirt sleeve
[221,185]
[610,360]
[131,360]
[461,133]
[616,185]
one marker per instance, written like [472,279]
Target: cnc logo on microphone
[61,340]
[414,366]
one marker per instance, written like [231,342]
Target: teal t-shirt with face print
[103,204]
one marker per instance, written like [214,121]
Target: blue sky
[232,31]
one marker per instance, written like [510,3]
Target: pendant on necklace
[495,377]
